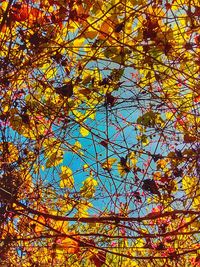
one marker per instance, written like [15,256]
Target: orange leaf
[3,28]
[70,245]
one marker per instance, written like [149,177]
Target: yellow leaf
[91,114]
[4,5]
[192,189]
[78,44]
[162,163]
[39,225]
[196,202]
[9,152]
[84,132]
[66,176]
[90,182]
[69,245]
[51,73]
[123,169]
[6,108]
[61,226]
[77,146]
[133,158]
[86,78]
[190,184]
[85,167]
[88,188]
[55,159]
[83,208]
[107,165]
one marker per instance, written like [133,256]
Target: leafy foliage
[99,126]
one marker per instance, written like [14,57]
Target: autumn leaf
[9,152]
[65,90]
[38,225]
[150,186]
[54,159]
[192,189]
[24,12]
[89,187]
[84,131]
[99,126]
[123,166]
[107,165]
[110,100]
[104,143]
[66,176]
[189,138]
[67,245]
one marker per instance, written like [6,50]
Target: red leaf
[197,99]
[104,143]
[23,12]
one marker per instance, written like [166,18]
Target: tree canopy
[99,133]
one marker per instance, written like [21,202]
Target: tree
[99,126]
